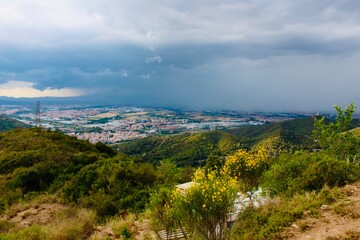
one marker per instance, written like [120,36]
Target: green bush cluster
[113,184]
[304,171]
[36,161]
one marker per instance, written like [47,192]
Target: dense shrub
[37,160]
[306,172]
[28,179]
[111,185]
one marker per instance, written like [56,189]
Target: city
[113,124]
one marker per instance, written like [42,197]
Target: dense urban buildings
[111,124]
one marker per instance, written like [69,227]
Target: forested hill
[39,160]
[46,152]
[184,149]
[7,123]
[295,131]
[193,149]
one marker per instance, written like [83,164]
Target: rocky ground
[338,221]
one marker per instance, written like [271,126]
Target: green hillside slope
[194,149]
[37,162]
[295,131]
[34,159]
[7,123]
[184,149]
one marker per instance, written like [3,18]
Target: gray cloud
[264,55]
[83,22]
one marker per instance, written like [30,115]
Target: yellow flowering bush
[247,168]
[206,205]
[204,208]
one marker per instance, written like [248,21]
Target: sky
[263,55]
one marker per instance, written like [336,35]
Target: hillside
[295,131]
[38,160]
[28,147]
[7,123]
[47,162]
[184,149]
[356,131]
[338,220]
[193,149]
[55,185]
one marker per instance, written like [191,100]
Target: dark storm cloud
[264,55]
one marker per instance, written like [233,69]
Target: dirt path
[338,221]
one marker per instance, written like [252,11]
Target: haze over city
[223,54]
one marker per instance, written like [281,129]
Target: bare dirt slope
[26,215]
[338,221]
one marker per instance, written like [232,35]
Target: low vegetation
[266,221]
[69,224]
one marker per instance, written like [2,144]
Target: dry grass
[41,220]
[15,209]
[6,226]
[67,224]
[71,224]
[355,131]
[350,235]
[132,227]
[346,209]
